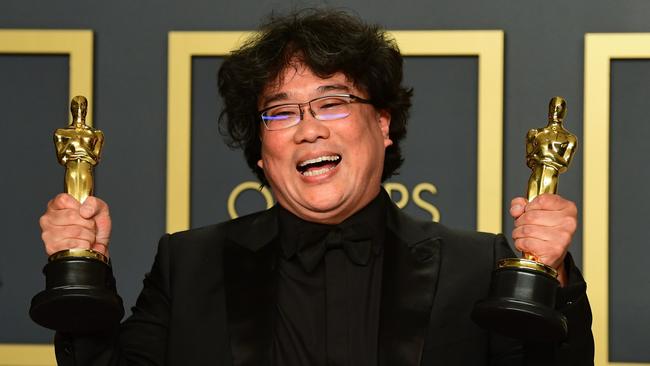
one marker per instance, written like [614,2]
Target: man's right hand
[67,224]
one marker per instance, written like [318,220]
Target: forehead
[297,83]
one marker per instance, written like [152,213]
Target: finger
[551,255]
[560,219]
[67,243]
[552,202]
[57,237]
[64,217]
[546,239]
[535,232]
[517,206]
[76,232]
[63,201]
[92,206]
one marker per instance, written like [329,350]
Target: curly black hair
[327,41]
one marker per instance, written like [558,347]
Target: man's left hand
[544,227]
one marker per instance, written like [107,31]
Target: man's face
[323,171]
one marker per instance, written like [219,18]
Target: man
[334,274]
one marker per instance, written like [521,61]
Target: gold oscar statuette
[549,151]
[522,296]
[80,292]
[78,148]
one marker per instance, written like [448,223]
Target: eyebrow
[326,88]
[321,89]
[274,98]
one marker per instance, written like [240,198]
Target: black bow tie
[313,243]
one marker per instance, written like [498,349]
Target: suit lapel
[410,275]
[249,266]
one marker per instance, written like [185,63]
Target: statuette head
[557,110]
[79,108]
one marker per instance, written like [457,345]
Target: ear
[384,126]
[260,133]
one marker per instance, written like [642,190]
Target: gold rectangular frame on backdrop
[78,46]
[487,45]
[600,49]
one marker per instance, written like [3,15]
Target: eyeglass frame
[353,99]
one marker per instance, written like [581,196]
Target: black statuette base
[79,297]
[521,305]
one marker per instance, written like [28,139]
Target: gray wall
[543,58]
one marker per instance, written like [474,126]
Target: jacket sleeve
[572,302]
[139,340]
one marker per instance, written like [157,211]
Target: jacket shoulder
[457,245]
[459,237]
[258,226]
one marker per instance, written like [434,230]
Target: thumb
[89,208]
[517,206]
[97,210]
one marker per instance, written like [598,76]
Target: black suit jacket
[209,297]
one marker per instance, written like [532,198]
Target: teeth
[312,173]
[319,159]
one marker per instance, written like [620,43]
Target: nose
[310,129]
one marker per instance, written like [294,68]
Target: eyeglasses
[326,108]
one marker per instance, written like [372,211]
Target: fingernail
[516,207]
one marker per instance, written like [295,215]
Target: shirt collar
[371,219]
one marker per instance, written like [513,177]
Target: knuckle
[61,199]
[572,206]
[523,230]
[528,230]
[521,244]
[45,237]
[42,221]
[533,216]
[571,223]
[71,216]
[565,238]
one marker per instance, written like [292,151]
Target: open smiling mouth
[319,165]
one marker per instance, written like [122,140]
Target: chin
[325,204]
[322,206]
